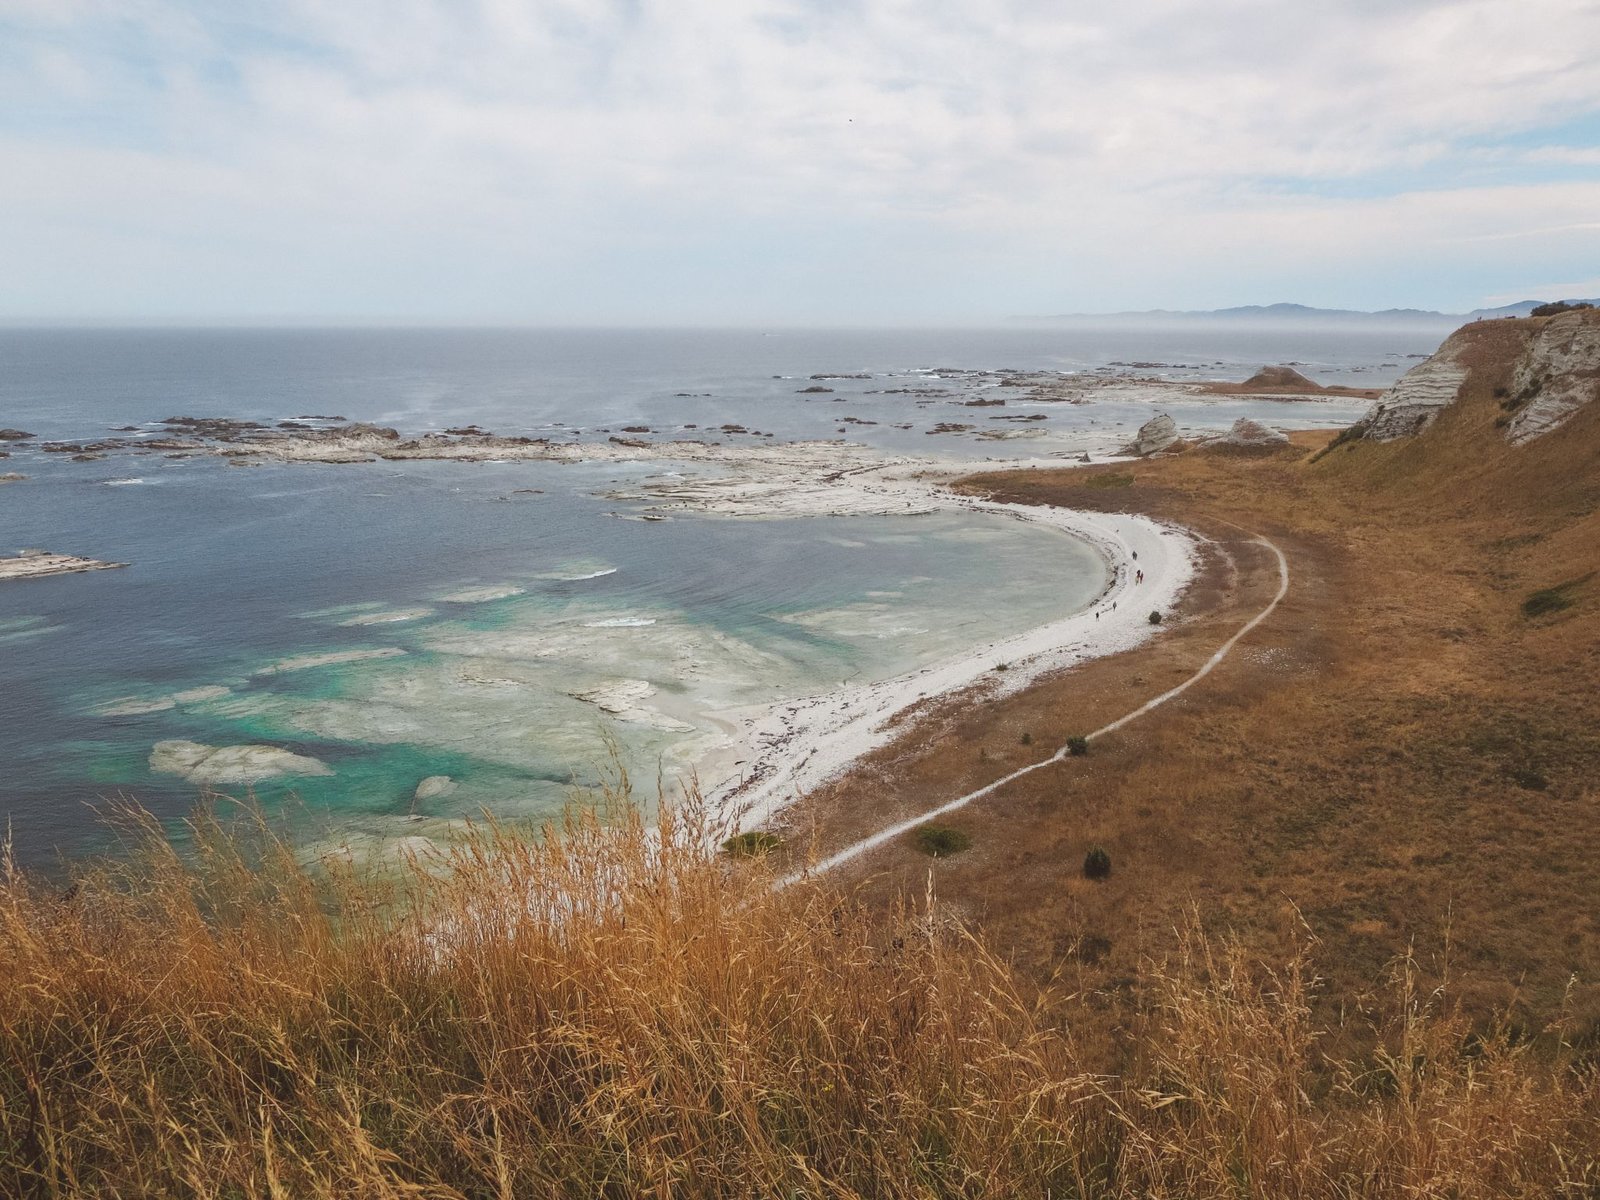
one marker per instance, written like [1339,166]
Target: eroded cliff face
[1556,373]
[1557,376]
[1417,397]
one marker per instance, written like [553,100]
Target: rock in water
[203,764]
[435,786]
[1557,375]
[1286,378]
[1253,434]
[1154,436]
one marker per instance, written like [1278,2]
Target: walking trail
[867,844]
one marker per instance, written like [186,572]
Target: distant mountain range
[1304,312]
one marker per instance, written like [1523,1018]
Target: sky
[683,162]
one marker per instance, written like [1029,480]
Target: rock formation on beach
[1155,435]
[1252,435]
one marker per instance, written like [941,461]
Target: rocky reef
[1246,434]
[35,564]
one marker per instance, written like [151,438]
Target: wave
[620,623]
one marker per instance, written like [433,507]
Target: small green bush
[1529,780]
[941,841]
[1154,618]
[1091,949]
[1097,863]
[753,844]
[1077,746]
[1547,600]
[1554,599]
[1559,307]
[1027,739]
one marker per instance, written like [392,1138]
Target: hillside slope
[1404,755]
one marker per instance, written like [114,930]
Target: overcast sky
[762,161]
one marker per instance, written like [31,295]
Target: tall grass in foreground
[614,1012]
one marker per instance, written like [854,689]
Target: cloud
[597,159]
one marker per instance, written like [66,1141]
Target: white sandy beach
[774,754]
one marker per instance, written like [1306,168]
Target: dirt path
[867,844]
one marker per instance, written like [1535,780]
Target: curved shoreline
[789,748]
[889,833]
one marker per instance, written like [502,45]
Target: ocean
[506,625]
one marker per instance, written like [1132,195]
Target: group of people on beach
[1138,577]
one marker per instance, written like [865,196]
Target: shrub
[752,844]
[1077,746]
[1097,863]
[1154,618]
[941,841]
[1529,780]
[1552,599]
[1091,949]
[1027,739]
[1557,308]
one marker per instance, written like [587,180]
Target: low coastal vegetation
[1553,599]
[1097,863]
[941,841]
[614,1013]
[752,843]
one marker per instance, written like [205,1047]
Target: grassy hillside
[1405,755]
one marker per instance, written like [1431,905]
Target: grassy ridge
[609,1013]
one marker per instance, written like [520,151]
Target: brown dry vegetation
[605,1014]
[1400,755]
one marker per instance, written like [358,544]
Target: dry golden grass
[609,1013]
[1398,750]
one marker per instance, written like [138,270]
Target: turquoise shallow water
[497,591]
[455,628]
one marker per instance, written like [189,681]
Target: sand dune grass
[612,1013]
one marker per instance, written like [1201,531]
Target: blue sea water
[499,592]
